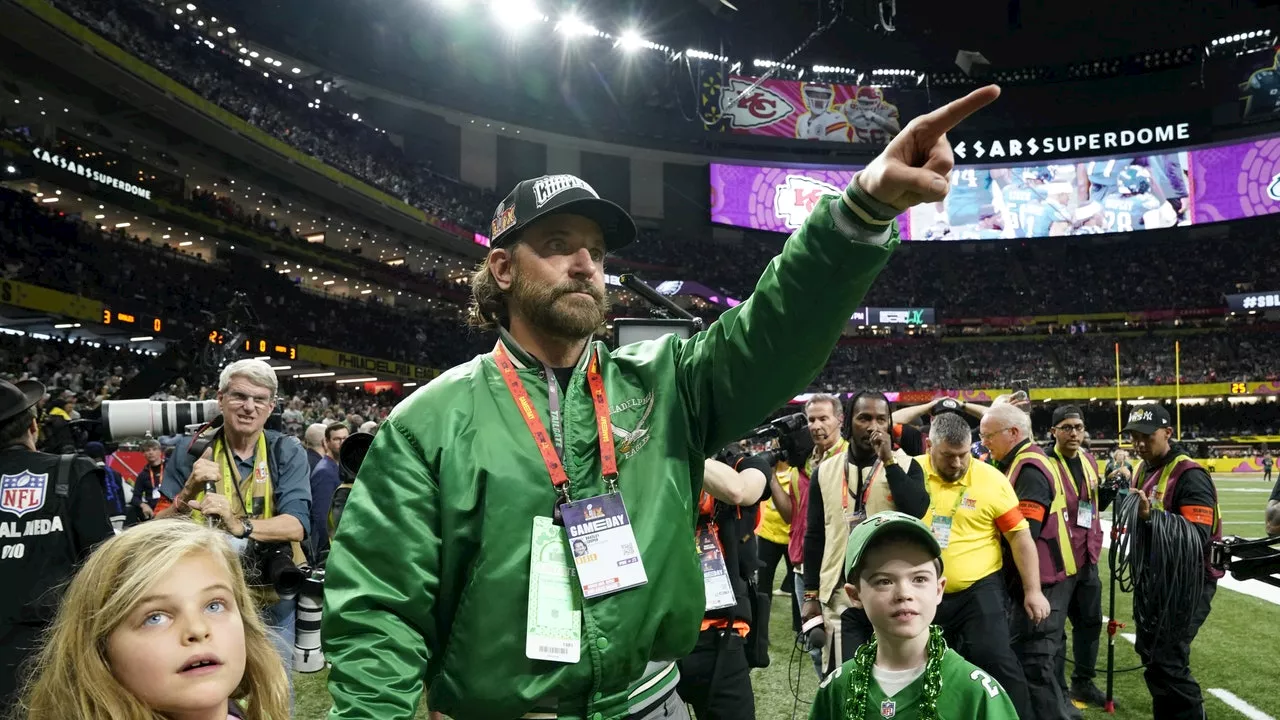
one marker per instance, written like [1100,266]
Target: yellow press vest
[772,527]
[1057,522]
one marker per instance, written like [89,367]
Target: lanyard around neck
[552,452]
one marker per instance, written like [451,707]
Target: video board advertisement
[1076,197]
[802,110]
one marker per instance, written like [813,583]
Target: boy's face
[899,589]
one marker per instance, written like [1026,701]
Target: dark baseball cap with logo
[1147,419]
[559,195]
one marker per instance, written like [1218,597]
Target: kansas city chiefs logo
[758,108]
[1273,190]
[798,196]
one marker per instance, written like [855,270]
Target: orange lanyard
[866,490]
[550,455]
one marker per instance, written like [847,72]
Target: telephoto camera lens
[307,655]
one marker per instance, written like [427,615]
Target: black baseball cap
[1066,412]
[17,398]
[1147,419]
[559,195]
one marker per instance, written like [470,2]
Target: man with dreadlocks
[906,671]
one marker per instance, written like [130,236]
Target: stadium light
[630,41]
[704,55]
[771,64]
[515,15]
[571,26]
[231,31]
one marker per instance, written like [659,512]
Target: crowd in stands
[1062,360]
[95,372]
[1217,419]
[319,130]
[997,280]
[58,252]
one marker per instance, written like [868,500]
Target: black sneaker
[1073,712]
[1089,694]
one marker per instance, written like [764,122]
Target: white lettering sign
[72,166]
[1076,143]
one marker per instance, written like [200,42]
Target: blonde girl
[158,625]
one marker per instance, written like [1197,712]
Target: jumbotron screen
[1076,197]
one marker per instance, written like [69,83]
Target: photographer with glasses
[261,490]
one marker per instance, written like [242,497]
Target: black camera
[790,432]
[271,565]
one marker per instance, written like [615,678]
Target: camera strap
[552,453]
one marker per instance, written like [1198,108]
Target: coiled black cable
[1162,563]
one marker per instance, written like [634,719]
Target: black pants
[771,553]
[715,679]
[1175,694]
[855,629]
[1038,648]
[1085,613]
[975,622]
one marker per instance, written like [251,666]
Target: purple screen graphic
[1205,185]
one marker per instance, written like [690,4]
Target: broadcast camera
[1248,559]
[789,433]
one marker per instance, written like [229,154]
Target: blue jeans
[281,620]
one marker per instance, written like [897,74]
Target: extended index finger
[935,124]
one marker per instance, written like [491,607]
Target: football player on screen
[821,122]
[1261,92]
[1103,175]
[1134,206]
[871,119]
[1035,205]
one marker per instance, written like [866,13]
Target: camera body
[271,565]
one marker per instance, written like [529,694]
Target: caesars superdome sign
[89,173]
[1141,138]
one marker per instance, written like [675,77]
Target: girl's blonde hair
[70,677]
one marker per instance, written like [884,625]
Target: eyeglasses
[987,436]
[1070,428]
[239,399]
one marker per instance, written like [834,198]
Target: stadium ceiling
[926,34]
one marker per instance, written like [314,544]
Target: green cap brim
[867,531]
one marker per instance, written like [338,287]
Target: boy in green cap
[894,567]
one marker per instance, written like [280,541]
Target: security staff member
[873,476]
[715,679]
[1086,501]
[1170,481]
[972,506]
[1042,499]
[52,512]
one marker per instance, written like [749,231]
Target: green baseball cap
[868,529]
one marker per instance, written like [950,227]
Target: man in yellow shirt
[971,505]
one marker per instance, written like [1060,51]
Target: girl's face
[181,649]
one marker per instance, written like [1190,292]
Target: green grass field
[1233,651]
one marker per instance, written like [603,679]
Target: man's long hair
[488,309]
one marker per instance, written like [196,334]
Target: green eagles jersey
[428,580]
[967,694]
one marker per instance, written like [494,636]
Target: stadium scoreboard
[132,321]
[260,346]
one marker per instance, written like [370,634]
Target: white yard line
[1239,705]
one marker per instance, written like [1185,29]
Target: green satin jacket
[427,582]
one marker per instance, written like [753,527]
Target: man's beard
[554,310]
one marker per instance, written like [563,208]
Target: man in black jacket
[52,514]
[875,476]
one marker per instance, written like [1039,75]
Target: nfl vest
[1159,486]
[1053,531]
[1091,539]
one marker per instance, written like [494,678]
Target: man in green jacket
[521,538]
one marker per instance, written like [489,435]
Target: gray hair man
[1038,624]
[971,506]
[252,482]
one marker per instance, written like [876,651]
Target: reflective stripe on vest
[1058,508]
[1157,497]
